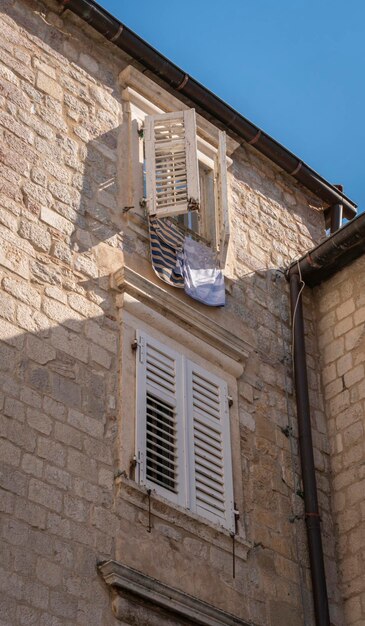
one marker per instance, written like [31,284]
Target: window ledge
[126,280]
[149,590]
[185,519]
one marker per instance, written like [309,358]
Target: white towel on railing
[203,280]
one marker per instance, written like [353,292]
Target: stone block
[85,423]
[60,526]
[62,314]
[354,376]
[45,273]
[64,605]
[31,513]
[27,616]
[43,494]
[56,293]
[56,221]
[48,572]
[39,421]
[39,237]
[100,356]
[13,481]
[48,85]
[66,391]
[7,306]
[9,453]
[14,408]
[6,504]
[102,337]
[22,291]
[76,509]
[68,435]
[54,408]
[52,451]
[81,465]
[57,476]
[62,252]
[35,594]
[39,350]
[29,396]
[32,465]
[345,309]
[70,343]
[14,532]
[38,377]
[86,266]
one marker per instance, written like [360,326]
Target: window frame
[136,106]
[199,500]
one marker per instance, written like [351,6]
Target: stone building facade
[80,537]
[340,314]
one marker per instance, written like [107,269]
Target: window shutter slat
[160,427]
[172,180]
[221,200]
[211,490]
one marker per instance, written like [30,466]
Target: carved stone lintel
[126,280]
[135,592]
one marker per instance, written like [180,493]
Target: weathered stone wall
[62,235]
[341,331]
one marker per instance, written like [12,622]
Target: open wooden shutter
[172,180]
[221,200]
[211,490]
[160,419]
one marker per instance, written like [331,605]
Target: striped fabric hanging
[166,241]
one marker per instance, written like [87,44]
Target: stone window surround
[126,581]
[145,305]
[141,96]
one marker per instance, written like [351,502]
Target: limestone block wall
[341,331]
[64,505]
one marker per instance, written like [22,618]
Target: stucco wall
[341,316]
[62,235]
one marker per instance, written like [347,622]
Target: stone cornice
[174,601]
[126,280]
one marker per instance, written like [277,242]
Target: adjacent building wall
[340,304]
[62,236]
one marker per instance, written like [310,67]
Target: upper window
[183,434]
[181,182]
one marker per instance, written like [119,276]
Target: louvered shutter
[172,180]
[222,226]
[160,419]
[210,485]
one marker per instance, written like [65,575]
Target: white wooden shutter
[222,226]
[160,419]
[210,485]
[172,180]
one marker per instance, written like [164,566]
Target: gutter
[212,106]
[330,256]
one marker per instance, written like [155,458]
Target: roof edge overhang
[210,104]
[331,255]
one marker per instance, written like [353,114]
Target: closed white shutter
[211,490]
[172,180]
[160,419]
[221,200]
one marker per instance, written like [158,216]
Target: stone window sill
[163,510]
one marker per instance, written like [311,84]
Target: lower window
[183,435]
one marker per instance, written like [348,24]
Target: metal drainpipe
[312,518]
[336,217]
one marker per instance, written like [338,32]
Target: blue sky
[294,68]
